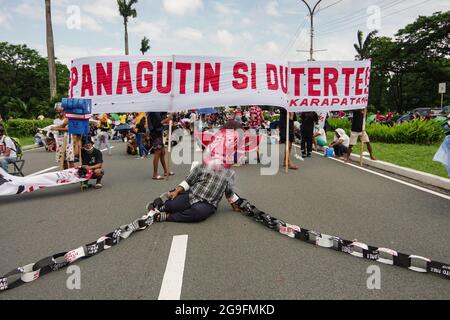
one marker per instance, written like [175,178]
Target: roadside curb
[30,147]
[420,176]
[423,177]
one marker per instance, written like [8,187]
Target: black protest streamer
[33,271]
[354,248]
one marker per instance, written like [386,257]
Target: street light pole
[311,15]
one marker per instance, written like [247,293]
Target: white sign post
[442,90]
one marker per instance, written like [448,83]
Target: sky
[257,29]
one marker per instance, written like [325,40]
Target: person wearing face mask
[92,160]
[197,197]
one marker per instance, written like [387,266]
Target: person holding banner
[358,131]
[282,126]
[63,141]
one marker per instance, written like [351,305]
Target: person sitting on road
[340,143]
[92,160]
[198,196]
[320,138]
[7,150]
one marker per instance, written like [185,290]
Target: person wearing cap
[92,159]
[7,150]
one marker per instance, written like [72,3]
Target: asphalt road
[228,256]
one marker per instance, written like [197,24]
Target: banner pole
[287,142]
[361,149]
[169,148]
[63,152]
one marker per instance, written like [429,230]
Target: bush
[24,127]
[415,132]
[335,123]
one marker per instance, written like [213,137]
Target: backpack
[18,147]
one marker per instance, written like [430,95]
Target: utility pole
[311,16]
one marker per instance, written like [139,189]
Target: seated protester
[8,152]
[92,160]
[340,143]
[197,198]
[320,138]
[132,147]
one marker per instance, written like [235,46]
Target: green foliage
[24,84]
[126,9]
[145,45]
[406,70]
[24,127]
[363,48]
[414,132]
[335,123]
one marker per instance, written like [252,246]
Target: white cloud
[5,19]
[66,54]
[31,9]
[181,7]
[225,38]
[224,10]
[270,50]
[189,34]
[106,10]
[152,30]
[272,8]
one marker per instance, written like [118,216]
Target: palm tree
[50,49]
[126,10]
[363,49]
[145,46]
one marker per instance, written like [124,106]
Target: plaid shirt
[207,185]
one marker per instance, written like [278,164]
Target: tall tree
[126,10]
[145,46]
[363,48]
[50,49]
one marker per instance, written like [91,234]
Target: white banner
[174,83]
[11,185]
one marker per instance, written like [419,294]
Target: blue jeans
[182,211]
[140,143]
[4,161]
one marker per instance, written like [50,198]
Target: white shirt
[345,138]
[322,134]
[8,143]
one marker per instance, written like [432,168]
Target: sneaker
[84,185]
[161,216]
[98,186]
[308,155]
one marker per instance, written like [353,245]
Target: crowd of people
[145,135]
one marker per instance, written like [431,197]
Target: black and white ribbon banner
[355,248]
[33,271]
